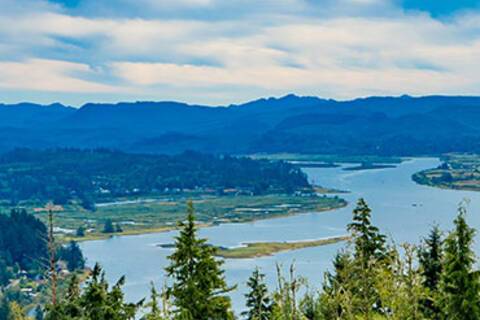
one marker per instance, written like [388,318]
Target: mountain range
[401,126]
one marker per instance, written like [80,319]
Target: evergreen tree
[108,227]
[430,256]
[336,300]
[22,240]
[73,256]
[97,301]
[311,307]
[258,301]
[71,305]
[369,242]
[4,308]
[80,232]
[370,252]
[5,273]
[460,283]
[199,285]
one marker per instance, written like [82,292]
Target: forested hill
[87,176]
[376,125]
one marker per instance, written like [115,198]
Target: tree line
[372,278]
[88,176]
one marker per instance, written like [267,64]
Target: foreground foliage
[199,286]
[371,279]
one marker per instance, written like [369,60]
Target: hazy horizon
[237,103]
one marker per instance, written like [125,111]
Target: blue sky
[439,8]
[227,51]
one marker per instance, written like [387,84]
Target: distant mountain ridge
[375,125]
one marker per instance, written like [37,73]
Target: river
[402,209]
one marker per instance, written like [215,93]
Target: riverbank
[154,217]
[457,172]
[262,249]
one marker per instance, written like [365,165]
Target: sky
[219,52]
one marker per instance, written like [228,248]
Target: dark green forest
[22,241]
[371,278]
[24,258]
[88,176]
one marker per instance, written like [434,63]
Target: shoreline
[162,229]
[249,250]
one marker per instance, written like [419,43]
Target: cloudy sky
[227,51]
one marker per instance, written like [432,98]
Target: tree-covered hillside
[63,175]
[375,125]
[23,241]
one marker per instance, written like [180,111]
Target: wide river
[402,209]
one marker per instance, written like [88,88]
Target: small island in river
[262,249]
[369,166]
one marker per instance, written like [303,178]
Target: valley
[402,208]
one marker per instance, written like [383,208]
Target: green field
[261,249]
[160,214]
[458,171]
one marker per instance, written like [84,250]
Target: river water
[402,209]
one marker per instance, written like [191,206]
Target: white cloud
[49,75]
[289,48]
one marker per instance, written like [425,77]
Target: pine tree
[96,301]
[73,256]
[430,256]
[71,305]
[258,301]
[370,251]
[369,242]
[108,227]
[460,283]
[199,287]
